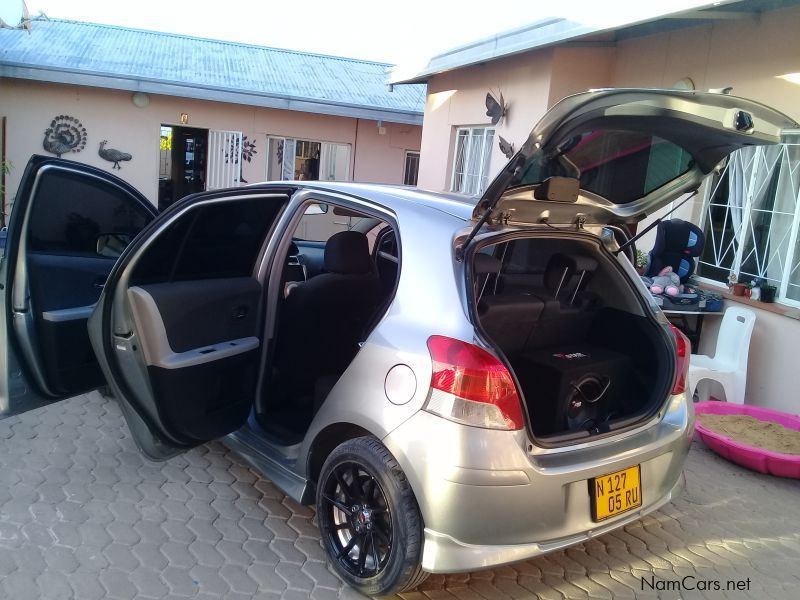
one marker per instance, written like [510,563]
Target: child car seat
[677,244]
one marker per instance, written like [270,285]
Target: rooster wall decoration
[496,109]
[65,134]
[112,155]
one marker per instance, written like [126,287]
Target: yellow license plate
[616,493]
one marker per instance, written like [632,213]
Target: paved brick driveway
[83,516]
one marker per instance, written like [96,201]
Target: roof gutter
[214,94]
[541,34]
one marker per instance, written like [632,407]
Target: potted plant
[641,262]
[768,292]
[739,288]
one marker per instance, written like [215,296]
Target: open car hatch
[618,155]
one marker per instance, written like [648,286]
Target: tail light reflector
[684,352]
[471,386]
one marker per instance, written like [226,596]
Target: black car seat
[507,317]
[324,318]
[568,308]
[677,244]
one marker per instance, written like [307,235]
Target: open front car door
[69,224]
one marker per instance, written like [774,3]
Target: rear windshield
[618,165]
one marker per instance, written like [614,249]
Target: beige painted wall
[458,98]
[748,54]
[380,158]
[110,115]
[530,83]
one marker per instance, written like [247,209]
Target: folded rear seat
[509,319]
[568,310]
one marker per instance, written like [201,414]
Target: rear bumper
[489,498]
[444,554]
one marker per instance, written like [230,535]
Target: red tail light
[471,386]
[684,352]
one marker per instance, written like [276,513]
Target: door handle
[99,286]
[238,313]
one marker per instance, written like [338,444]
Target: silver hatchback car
[454,384]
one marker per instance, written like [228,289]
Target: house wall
[749,54]
[459,98]
[380,158]
[110,115]
[530,83]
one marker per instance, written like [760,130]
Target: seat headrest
[347,252]
[485,264]
[559,270]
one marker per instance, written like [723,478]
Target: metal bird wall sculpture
[65,134]
[494,108]
[112,155]
[506,147]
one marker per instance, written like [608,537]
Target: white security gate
[224,159]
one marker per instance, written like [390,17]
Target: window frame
[790,255]
[485,158]
[409,154]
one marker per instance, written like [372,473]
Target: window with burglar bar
[411,168]
[471,160]
[751,218]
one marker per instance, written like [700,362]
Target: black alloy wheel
[360,522]
[369,519]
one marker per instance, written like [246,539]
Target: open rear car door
[69,224]
[178,328]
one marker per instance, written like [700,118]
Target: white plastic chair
[729,363]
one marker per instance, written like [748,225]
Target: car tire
[372,532]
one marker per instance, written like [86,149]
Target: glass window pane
[70,211]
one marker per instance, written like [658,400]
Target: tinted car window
[618,165]
[70,211]
[210,241]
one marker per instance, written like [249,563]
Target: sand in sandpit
[745,429]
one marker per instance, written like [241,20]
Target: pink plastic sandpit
[757,459]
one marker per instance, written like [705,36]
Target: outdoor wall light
[140,99]
[790,77]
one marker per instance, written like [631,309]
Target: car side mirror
[111,245]
[317,208]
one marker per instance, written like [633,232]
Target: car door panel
[53,277]
[212,368]
[179,326]
[64,290]
[228,309]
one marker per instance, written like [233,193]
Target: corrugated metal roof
[118,57]
[556,30]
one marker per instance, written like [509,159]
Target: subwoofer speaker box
[572,387]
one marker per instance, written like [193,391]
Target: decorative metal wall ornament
[65,134]
[248,150]
[506,147]
[112,155]
[496,109]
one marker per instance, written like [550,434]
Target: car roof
[399,197]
